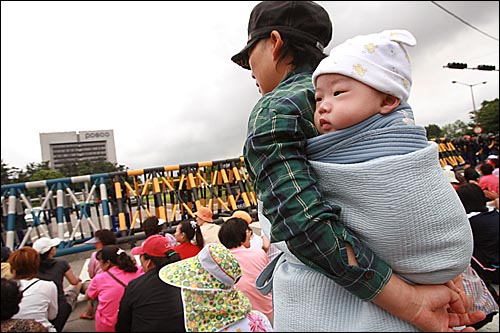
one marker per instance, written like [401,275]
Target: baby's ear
[388,104]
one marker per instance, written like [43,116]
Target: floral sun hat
[207,281]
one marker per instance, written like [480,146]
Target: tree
[487,116]
[455,130]
[31,169]
[433,131]
[43,174]
[90,168]
[7,173]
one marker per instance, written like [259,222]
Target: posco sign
[95,135]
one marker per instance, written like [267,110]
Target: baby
[375,163]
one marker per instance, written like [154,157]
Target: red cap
[155,246]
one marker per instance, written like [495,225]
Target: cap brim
[241,58]
[191,274]
[56,241]
[93,240]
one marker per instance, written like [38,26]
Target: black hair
[151,227]
[11,297]
[486,169]
[192,230]
[106,236]
[159,262]
[233,232]
[303,54]
[471,174]
[117,257]
[472,197]
[46,263]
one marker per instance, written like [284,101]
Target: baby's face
[342,102]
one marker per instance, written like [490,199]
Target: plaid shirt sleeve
[284,181]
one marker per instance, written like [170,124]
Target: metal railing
[120,200]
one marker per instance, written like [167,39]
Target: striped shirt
[274,151]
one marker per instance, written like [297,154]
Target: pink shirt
[489,182]
[252,261]
[109,293]
[94,268]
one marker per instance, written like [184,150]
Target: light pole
[472,95]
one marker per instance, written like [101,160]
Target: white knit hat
[378,60]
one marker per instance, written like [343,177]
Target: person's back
[156,306]
[56,270]
[235,234]
[109,285]
[39,300]
[485,229]
[11,297]
[471,175]
[488,181]
[210,300]
[148,303]
[102,237]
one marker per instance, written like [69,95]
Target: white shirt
[256,241]
[210,232]
[39,302]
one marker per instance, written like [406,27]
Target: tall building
[69,147]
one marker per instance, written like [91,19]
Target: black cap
[304,20]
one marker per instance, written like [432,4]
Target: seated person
[235,234]
[39,300]
[11,297]
[210,300]
[102,237]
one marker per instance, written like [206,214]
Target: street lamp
[472,95]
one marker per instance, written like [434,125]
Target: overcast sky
[159,73]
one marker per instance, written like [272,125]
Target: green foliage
[433,131]
[41,171]
[46,174]
[8,173]
[455,130]
[89,168]
[487,116]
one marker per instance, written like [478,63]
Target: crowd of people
[343,243]
[210,289]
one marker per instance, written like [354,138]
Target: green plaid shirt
[275,157]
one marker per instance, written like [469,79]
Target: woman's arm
[71,277]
